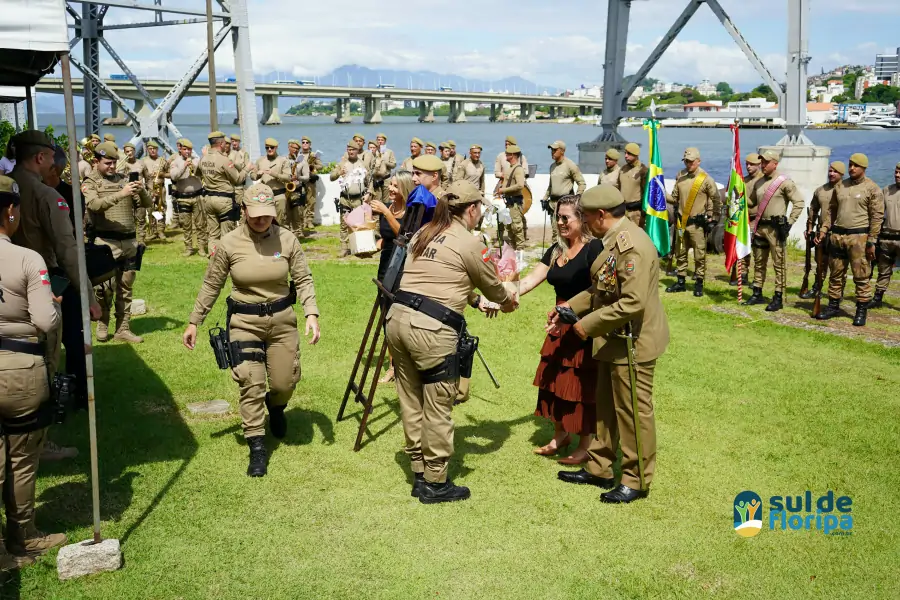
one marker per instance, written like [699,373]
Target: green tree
[850,81]
[724,89]
[763,91]
[881,93]
[843,99]
[7,130]
[648,82]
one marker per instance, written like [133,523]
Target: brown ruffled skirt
[567,382]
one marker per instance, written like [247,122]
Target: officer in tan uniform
[315,165]
[888,250]
[415,151]
[431,148]
[239,156]
[108,137]
[268,274]
[471,169]
[389,161]
[632,183]
[854,220]
[125,167]
[187,200]
[424,326]
[296,202]
[356,184]
[752,175]
[770,228]
[449,162]
[84,163]
[453,155]
[275,172]
[221,182]
[816,214]
[624,300]
[28,314]
[512,197]
[155,170]
[501,164]
[564,176]
[697,209]
[111,201]
[610,175]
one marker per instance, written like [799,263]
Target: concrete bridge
[371,99]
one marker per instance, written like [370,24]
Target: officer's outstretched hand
[190,336]
[312,325]
[488,308]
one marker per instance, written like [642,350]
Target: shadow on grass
[146,325]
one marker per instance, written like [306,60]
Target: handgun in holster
[545,206]
[62,396]
[218,339]
[782,228]
[465,351]
[134,263]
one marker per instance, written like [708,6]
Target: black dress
[387,245]
[567,374]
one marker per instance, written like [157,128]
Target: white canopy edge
[37,25]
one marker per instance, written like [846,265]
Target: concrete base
[808,168]
[210,407]
[138,307]
[592,155]
[87,558]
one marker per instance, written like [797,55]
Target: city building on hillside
[886,65]
[865,81]
[706,88]
[594,91]
[702,107]
[752,104]
[895,80]
[819,112]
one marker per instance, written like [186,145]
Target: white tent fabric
[37,25]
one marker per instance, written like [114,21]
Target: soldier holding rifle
[818,206]
[624,316]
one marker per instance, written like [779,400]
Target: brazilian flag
[656,223]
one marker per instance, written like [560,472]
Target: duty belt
[185,195]
[846,231]
[265,309]
[220,194]
[889,235]
[429,307]
[698,220]
[639,205]
[118,236]
[279,191]
[769,221]
[515,199]
[182,208]
[23,346]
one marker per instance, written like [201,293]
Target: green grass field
[743,402]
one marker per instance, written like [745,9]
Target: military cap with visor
[613,154]
[839,166]
[601,197]
[860,159]
[557,145]
[107,150]
[691,154]
[9,189]
[753,158]
[33,137]
[513,149]
[260,201]
[429,163]
[633,149]
[463,192]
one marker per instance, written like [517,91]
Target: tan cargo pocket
[20,375]
[421,321]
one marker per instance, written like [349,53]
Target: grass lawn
[743,402]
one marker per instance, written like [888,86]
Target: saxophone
[291,186]
[158,185]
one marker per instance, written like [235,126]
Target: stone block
[87,558]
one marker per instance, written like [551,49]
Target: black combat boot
[877,301]
[258,456]
[678,286]
[432,493]
[811,292]
[745,279]
[859,320]
[832,310]
[277,420]
[698,288]
[755,298]
[776,303]
[418,484]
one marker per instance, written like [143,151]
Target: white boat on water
[879,122]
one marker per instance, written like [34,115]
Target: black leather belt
[846,231]
[639,205]
[887,235]
[186,195]
[23,346]
[514,200]
[429,307]
[265,309]
[769,221]
[279,191]
[182,207]
[220,194]
[698,220]
[554,198]
[118,236]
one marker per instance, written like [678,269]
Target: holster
[299,199]
[134,263]
[545,206]
[837,252]
[39,419]
[782,228]
[62,396]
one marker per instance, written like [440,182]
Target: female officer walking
[425,324]
[28,311]
[269,273]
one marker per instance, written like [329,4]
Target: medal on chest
[606,276]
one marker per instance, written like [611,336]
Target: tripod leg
[376,307]
[370,400]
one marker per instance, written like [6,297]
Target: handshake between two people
[490,309]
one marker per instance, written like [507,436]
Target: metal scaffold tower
[88,27]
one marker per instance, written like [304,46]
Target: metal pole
[85,289]
[211,56]
[29,107]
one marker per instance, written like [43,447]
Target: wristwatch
[476,301]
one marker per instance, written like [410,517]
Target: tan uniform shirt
[133,166]
[315,164]
[299,170]
[355,189]
[610,176]
[501,165]
[44,224]
[84,169]
[819,203]
[452,266]
[240,158]
[151,168]
[625,290]
[515,181]
[786,193]
[470,171]
[633,181]
[109,207]
[27,308]
[219,174]
[707,202]
[366,158]
[180,174]
[891,208]
[749,182]
[407,163]
[449,170]
[261,266]
[389,159]
[856,205]
[564,176]
[279,172]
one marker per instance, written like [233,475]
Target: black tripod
[375,327]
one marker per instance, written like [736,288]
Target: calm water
[882,147]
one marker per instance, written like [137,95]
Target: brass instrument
[158,187]
[66,175]
[291,186]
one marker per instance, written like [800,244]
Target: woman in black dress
[567,374]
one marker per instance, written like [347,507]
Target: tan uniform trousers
[554,237]
[849,249]
[694,237]
[193,224]
[347,204]
[281,365]
[295,216]
[615,423]
[281,211]
[887,256]
[309,211]
[124,286]
[764,244]
[23,388]
[515,230]
[146,224]
[216,207]
[418,342]
[635,216]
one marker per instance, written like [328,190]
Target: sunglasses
[564,219]
[270,147]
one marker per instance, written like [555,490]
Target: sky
[553,43]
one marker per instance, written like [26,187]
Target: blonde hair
[405,184]
[573,200]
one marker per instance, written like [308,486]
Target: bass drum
[526,199]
